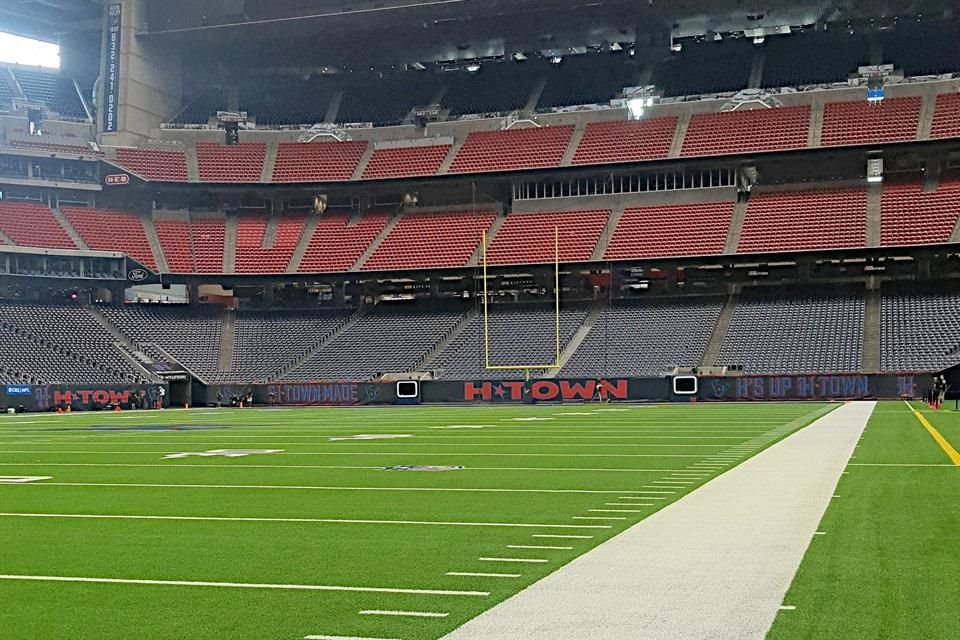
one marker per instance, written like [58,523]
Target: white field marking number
[226,453]
[369,436]
[22,479]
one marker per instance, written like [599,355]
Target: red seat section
[252,257]
[805,220]
[111,230]
[336,244]
[428,240]
[155,164]
[910,216]
[317,161]
[78,149]
[747,131]
[697,229]
[401,162]
[33,225]
[194,246]
[528,238]
[946,117]
[862,122]
[230,163]
[511,149]
[632,141]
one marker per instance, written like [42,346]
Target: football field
[358,523]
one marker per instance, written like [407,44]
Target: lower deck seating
[337,243]
[32,225]
[910,216]
[112,230]
[431,240]
[817,333]
[383,341]
[920,331]
[646,338]
[530,238]
[805,220]
[519,335]
[696,229]
[253,256]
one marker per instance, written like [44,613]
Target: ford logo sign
[137,275]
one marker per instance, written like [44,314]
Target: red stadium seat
[529,238]
[696,229]
[632,141]
[911,217]
[230,163]
[154,164]
[512,149]
[747,131]
[861,122]
[33,225]
[431,240]
[317,161]
[403,162]
[112,230]
[336,244]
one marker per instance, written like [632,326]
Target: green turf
[886,567]
[556,471]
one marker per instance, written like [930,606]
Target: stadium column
[140,87]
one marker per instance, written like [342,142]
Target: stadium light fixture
[556,59]
[638,106]
[473,67]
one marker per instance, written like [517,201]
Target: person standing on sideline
[161,395]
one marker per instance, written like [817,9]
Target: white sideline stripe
[324,438]
[359,442]
[616,510]
[205,465]
[144,485]
[550,535]
[894,464]
[343,638]
[468,574]
[93,516]
[408,614]
[520,560]
[245,585]
[533,546]
[390,453]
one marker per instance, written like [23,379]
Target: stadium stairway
[683,123]
[423,367]
[874,193]
[62,219]
[451,156]
[477,258]
[270,232]
[575,140]
[613,221]
[5,239]
[712,352]
[736,227]
[193,164]
[269,161]
[127,350]
[230,244]
[155,247]
[308,230]
[306,355]
[376,242]
[872,321]
[577,340]
[363,162]
[228,336]
[927,109]
[815,134]
[955,236]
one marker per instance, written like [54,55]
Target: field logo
[226,453]
[423,467]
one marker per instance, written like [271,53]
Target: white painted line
[26,479]
[785,607]
[673,482]
[343,638]
[406,614]
[616,510]
[639,498]
[819,533]
[560,537]
[468,574]
[284,487]
[520,560]
[532,546]
[91,516]
[596,518]
[390,453]
[244,585]
[628,504]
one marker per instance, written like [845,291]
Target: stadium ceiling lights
[473,67]
[638,106]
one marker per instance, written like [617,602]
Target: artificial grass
[558,462]
[885,567]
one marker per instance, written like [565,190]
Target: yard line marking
[408,614]
[467,574]
[389,453]
[382,443]
[245,585]
[144,485]
[93,516]
[560,537]
[948,449]
[672,482]
[639,498]
[343,638]
[519,560]
[629,504]
[786,607]
[596,518]
[533,546]
[205,465]
[616,510]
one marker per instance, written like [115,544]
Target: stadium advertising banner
[111,70]
[306,393]
[558,390]
[813,387]
[79,397]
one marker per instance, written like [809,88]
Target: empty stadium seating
[512,149]
[671,230]
[336,244]
[529,238]
[631,141]
[53,147]
[60,95]
[192,246]
[820,333]
[645,338]
[397,162]
[805,220]
[154,164]
[747,131]
[253,257]
[384,340]
[112,230]
[519,335]
[910,216]
[861,122]
[174,238]
[317,161]
[946,116]
[920,331]
[32,225]
[431,240]
[230,163]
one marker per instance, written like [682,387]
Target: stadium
[503,320]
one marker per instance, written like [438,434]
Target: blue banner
[19,390]
[111,70]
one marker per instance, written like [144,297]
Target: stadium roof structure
[47,19]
